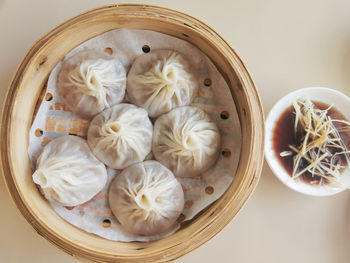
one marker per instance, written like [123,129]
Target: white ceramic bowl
[329,96]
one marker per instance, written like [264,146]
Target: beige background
[286,45]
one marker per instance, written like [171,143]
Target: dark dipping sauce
[284,135]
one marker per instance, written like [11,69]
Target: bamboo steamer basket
[24,92]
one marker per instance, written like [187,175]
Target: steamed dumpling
[68,173]
[160,81]
[121,135]
[186,141]
[90,82]
[146,198]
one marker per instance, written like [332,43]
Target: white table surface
[285,45]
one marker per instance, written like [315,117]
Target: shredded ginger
[321,147]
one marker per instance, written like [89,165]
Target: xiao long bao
[160,81]
[68,173]
[146,198]
[186,141]
[91,81]
[121,135]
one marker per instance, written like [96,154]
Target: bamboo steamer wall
[31,77]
